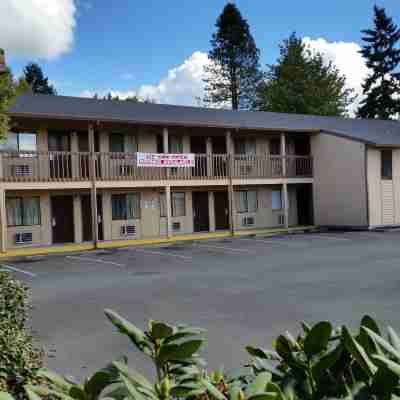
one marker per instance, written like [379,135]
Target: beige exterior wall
[383,194]
[340,195]
[265,217]
[41,234]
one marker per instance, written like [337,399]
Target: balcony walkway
[63,167]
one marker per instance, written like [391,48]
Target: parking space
[243,290]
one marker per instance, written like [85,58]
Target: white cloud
[346,57]
[182,84]
[37,28]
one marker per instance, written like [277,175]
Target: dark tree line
[300,81]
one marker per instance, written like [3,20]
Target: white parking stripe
[161,253]
[327,237]
[11,268]
[281,242]
[223,248]
[96,260]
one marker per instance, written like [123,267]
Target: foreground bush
[319,363]
[19,359]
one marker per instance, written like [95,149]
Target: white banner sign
[160,160]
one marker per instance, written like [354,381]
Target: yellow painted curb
[28,251]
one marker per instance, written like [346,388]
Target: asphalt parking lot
[243,290]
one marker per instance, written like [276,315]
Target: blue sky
[98,45]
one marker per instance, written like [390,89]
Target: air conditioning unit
[21,170]
[23,238]
[248,221]
[176,226]
[281,219]
[128,230]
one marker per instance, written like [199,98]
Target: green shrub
[19,358]
[320,363]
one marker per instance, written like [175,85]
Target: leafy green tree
[234,72]
[33,74]
[302,82]
[382,55]
[8,90]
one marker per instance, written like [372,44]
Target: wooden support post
[168,206]
[93,191]
[286,204]
[231,199]
[3,220]
[283,154]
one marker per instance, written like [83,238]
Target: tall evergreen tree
[234,71]
[302,82]
[382,54]
[33,74]
[9,89]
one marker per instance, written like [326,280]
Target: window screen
[133,205]
[247,201]
[119,211]
[23,211]
[276,200]
[178,204]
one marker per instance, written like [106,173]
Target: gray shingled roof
[376,132]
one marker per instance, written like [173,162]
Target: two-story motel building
[69,172]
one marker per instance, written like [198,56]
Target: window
[276,200]
[245,146]
[175,144]
[22,141]
[178,204]
[131,144]
[386,164]
[117,143]
[125,206]
[23,211]
[275,147]
[247,201]
[163,205]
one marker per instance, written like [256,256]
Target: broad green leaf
[136,395]
[359,354]
[234,391]
[179,351]
[384,381]
[264,396]
[212,390]
[317,339]
[160,330]
[31,395]
[394,338]
[306,327]
[260,353]
[283,348]
[259,384]
[132,375]
[370,323]
[55,379]
[127,328]
[391,365]
[97,382]
[184,333]
[327,361]
[383,343]
[6,396]
[77,393]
